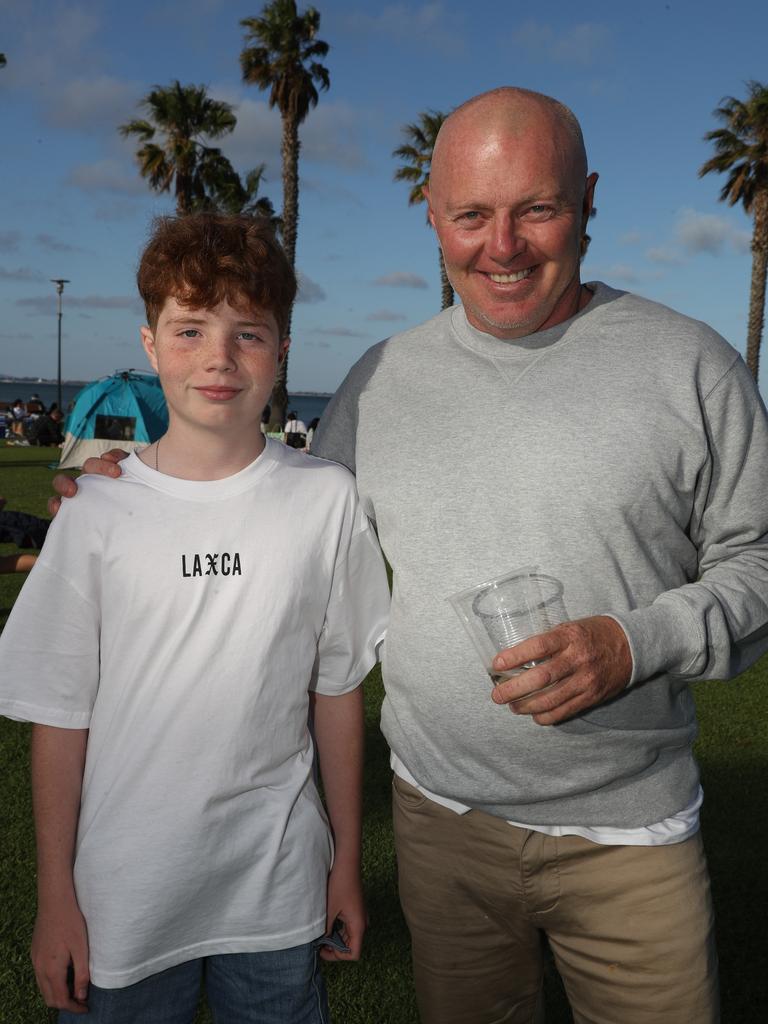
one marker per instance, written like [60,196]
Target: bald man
[627,456]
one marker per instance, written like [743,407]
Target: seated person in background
[18,415]
[45,431]
[295,432]
[177,749]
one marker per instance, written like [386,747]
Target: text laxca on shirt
[223,564]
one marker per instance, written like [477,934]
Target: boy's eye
[248,336]
[190,332]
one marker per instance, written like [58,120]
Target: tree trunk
[290,156]
[446,287]
[757,286]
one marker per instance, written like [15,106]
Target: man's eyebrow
[535,197]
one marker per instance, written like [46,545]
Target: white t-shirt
[183,623]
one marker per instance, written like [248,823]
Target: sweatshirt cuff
[662,638]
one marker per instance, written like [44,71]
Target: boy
[179,830]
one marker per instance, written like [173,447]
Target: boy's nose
[221,355]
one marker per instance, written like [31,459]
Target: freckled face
[217,366]
[509,211]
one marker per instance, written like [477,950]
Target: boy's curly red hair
[202,259]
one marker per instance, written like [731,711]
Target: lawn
[733,751]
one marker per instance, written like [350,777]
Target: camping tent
[126,410]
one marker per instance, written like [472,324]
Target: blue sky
[643,78]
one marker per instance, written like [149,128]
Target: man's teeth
[511,278]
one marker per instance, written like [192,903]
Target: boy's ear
[148,344]
[282,350]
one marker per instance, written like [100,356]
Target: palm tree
[417,156]
[233,194]
[183,118]
[741,152]
[282,54]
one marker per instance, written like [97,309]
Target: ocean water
[306,405]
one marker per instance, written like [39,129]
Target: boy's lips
[217,394]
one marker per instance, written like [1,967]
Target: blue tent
[126,410]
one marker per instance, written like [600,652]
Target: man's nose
[506,241]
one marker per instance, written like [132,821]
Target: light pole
[59,282]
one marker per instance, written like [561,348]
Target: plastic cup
[502,612]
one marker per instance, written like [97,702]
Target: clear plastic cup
[502,612]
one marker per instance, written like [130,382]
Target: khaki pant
[630,927]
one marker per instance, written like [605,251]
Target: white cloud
[664,254]
[386,316]
[55,244]
[431,24]
[617,272]
[93,104]
[340,332]
[9,240]
[108,175]
[581,45]
[401,279]
[706,232]
[309,290]
[631,238]
[21,274]
[45,304]
[330,135]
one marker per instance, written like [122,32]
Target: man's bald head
[510,198]
[510,111]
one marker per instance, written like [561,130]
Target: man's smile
[512,278]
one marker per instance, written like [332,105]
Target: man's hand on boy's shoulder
[346,913]
[105,465]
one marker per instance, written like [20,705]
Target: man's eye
[469,216]
[540,211]
[247,336]
[190,332]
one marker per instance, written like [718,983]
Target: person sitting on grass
[180,834]
[17,561]
[22,529]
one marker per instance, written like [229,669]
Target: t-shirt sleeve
[49,648]
[357,612]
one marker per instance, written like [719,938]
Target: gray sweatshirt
[624,451]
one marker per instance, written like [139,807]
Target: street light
[59,282]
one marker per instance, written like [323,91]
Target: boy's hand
[66,487]
[345,903]
[60,941]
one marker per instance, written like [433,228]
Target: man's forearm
[58,760]
[339,737]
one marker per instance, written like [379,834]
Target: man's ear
[148,344]
[282,350]
[589,199]
[430,215]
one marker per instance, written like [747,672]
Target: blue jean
[282,986]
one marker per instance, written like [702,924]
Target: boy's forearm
[58,760]
[339,738]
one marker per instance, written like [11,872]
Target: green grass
[732,749]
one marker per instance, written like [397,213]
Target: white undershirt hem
[675,829]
